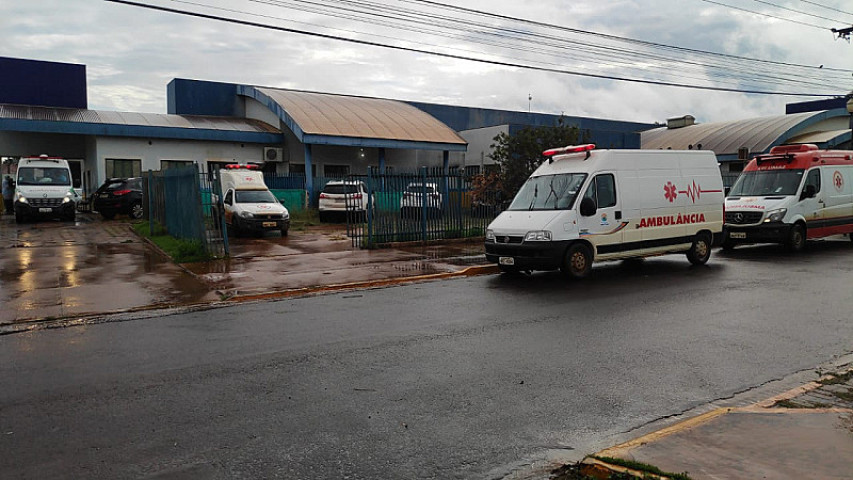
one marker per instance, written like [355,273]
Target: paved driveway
[57,269]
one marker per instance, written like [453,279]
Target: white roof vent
[680,122]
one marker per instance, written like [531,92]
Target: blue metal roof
[25,118]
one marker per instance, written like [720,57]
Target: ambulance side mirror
[809,192]
[588,207]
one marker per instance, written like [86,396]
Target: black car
[119,195]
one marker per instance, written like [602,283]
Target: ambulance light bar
[569,149]
[237,166]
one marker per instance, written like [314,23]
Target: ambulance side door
[813,207]
[603,228]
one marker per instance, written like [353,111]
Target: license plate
[740,235]
[268,224]
[506,261]
[45,210]
[104,195]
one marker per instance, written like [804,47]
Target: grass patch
[181,251]
[642,467]
[301,219]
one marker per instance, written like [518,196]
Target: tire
[700,251]
[108,215]
[577,263]
[796,240]
[136,211]
[70,217]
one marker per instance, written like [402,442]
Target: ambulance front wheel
[796,240]
[578,261]
[700,251]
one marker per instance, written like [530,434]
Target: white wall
[151,152]
[479,144]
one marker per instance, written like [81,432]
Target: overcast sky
[131,53]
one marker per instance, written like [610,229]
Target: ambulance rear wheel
[700,251]
[796,241]
[577,262]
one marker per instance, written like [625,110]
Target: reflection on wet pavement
[54,269]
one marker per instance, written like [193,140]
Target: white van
[585,205]
[248,205]
[794,193]
[44,189]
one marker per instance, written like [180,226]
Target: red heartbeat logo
[694,191]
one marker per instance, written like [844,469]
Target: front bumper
[61,210]
[773,232]
[261,225]
[529,256]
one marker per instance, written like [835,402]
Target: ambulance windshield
[767,182]
[254,196]
[548,192]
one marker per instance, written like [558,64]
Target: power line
[827,7]
[766,15]
[795,11]
[460,57]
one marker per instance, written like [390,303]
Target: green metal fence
[418,208]
[181,200]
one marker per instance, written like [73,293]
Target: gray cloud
[131,54]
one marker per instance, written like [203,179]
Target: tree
[520,154]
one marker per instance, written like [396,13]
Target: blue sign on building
[43,84]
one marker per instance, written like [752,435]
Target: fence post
[424,204]
[150,203]
[369,207]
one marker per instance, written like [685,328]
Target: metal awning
[26,118]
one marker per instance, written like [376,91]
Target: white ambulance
[794,193]
[44,189]
[247,203]
[585,205]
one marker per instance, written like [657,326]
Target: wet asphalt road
[465,378]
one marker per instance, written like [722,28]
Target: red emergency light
[569,149]
[237,166]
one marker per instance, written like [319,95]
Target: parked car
[119,196]
[339,197]
[413,202]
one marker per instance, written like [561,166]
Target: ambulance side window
[229,197]
[603,191]
[813,179]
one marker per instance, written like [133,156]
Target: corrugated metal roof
[723,138]
[361,117]
[132,119]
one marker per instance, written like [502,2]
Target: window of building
[335,170]
[167,164]
[123,168]
[299,169]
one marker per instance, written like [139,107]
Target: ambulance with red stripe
[585,205]
[794,193]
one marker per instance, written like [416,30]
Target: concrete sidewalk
[804,433]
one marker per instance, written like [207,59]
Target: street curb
[304,291]
[171,308]
[763,406]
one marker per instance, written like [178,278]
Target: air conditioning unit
[273,154]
